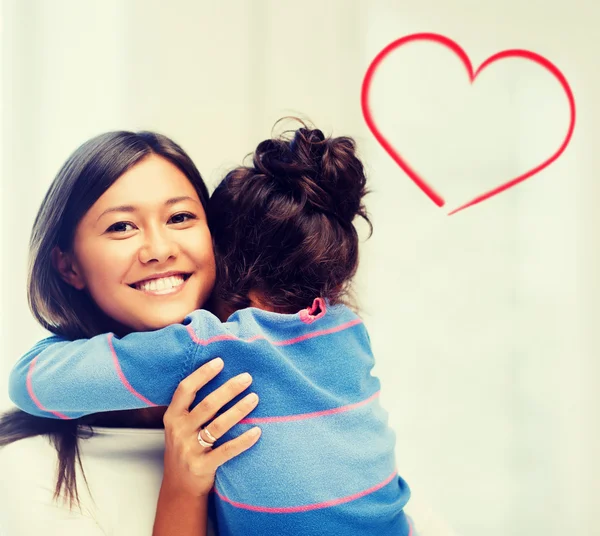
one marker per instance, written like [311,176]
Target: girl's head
[121,240]
[283,227]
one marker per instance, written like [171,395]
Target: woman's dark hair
[283,226]
[89,172]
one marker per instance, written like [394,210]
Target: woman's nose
[158,247]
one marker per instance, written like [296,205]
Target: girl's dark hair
[89,172]
[283,227]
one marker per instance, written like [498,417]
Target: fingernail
[244,378]
[216,363]
[254,432]
[252,398]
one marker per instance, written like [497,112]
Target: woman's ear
[65,265]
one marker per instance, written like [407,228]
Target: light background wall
[483,323]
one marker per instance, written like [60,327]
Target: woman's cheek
[110,266]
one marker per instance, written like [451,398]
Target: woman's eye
[182,217]
[120,227]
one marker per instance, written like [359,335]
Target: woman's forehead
[150,184]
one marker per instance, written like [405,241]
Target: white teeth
[164,283]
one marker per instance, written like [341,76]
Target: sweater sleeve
[65,379]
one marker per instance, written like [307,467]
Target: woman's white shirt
[123,467]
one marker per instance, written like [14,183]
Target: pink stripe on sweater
[122,376]
[335,329]
[32,394]
[307,507]
[225,337]
[301,416]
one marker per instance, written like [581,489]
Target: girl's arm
[65,379]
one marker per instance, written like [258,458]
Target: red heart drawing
[454,47]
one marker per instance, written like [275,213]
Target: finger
[223,423]
[213,402]
[188,387]
[233,448]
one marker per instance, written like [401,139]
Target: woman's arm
[65,379]
[190,468]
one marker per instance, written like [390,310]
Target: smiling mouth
[162,285]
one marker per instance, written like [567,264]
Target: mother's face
[143,251]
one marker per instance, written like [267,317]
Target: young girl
[286,250]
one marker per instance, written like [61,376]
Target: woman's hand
[190,467]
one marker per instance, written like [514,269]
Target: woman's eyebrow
[121,208]
[175,200]
[131,208]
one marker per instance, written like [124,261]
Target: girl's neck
[223,310]
[257,299]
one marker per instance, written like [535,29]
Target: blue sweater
[325,462]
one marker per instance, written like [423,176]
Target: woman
[110,480]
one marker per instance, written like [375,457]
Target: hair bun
[308,146]
[323,173]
